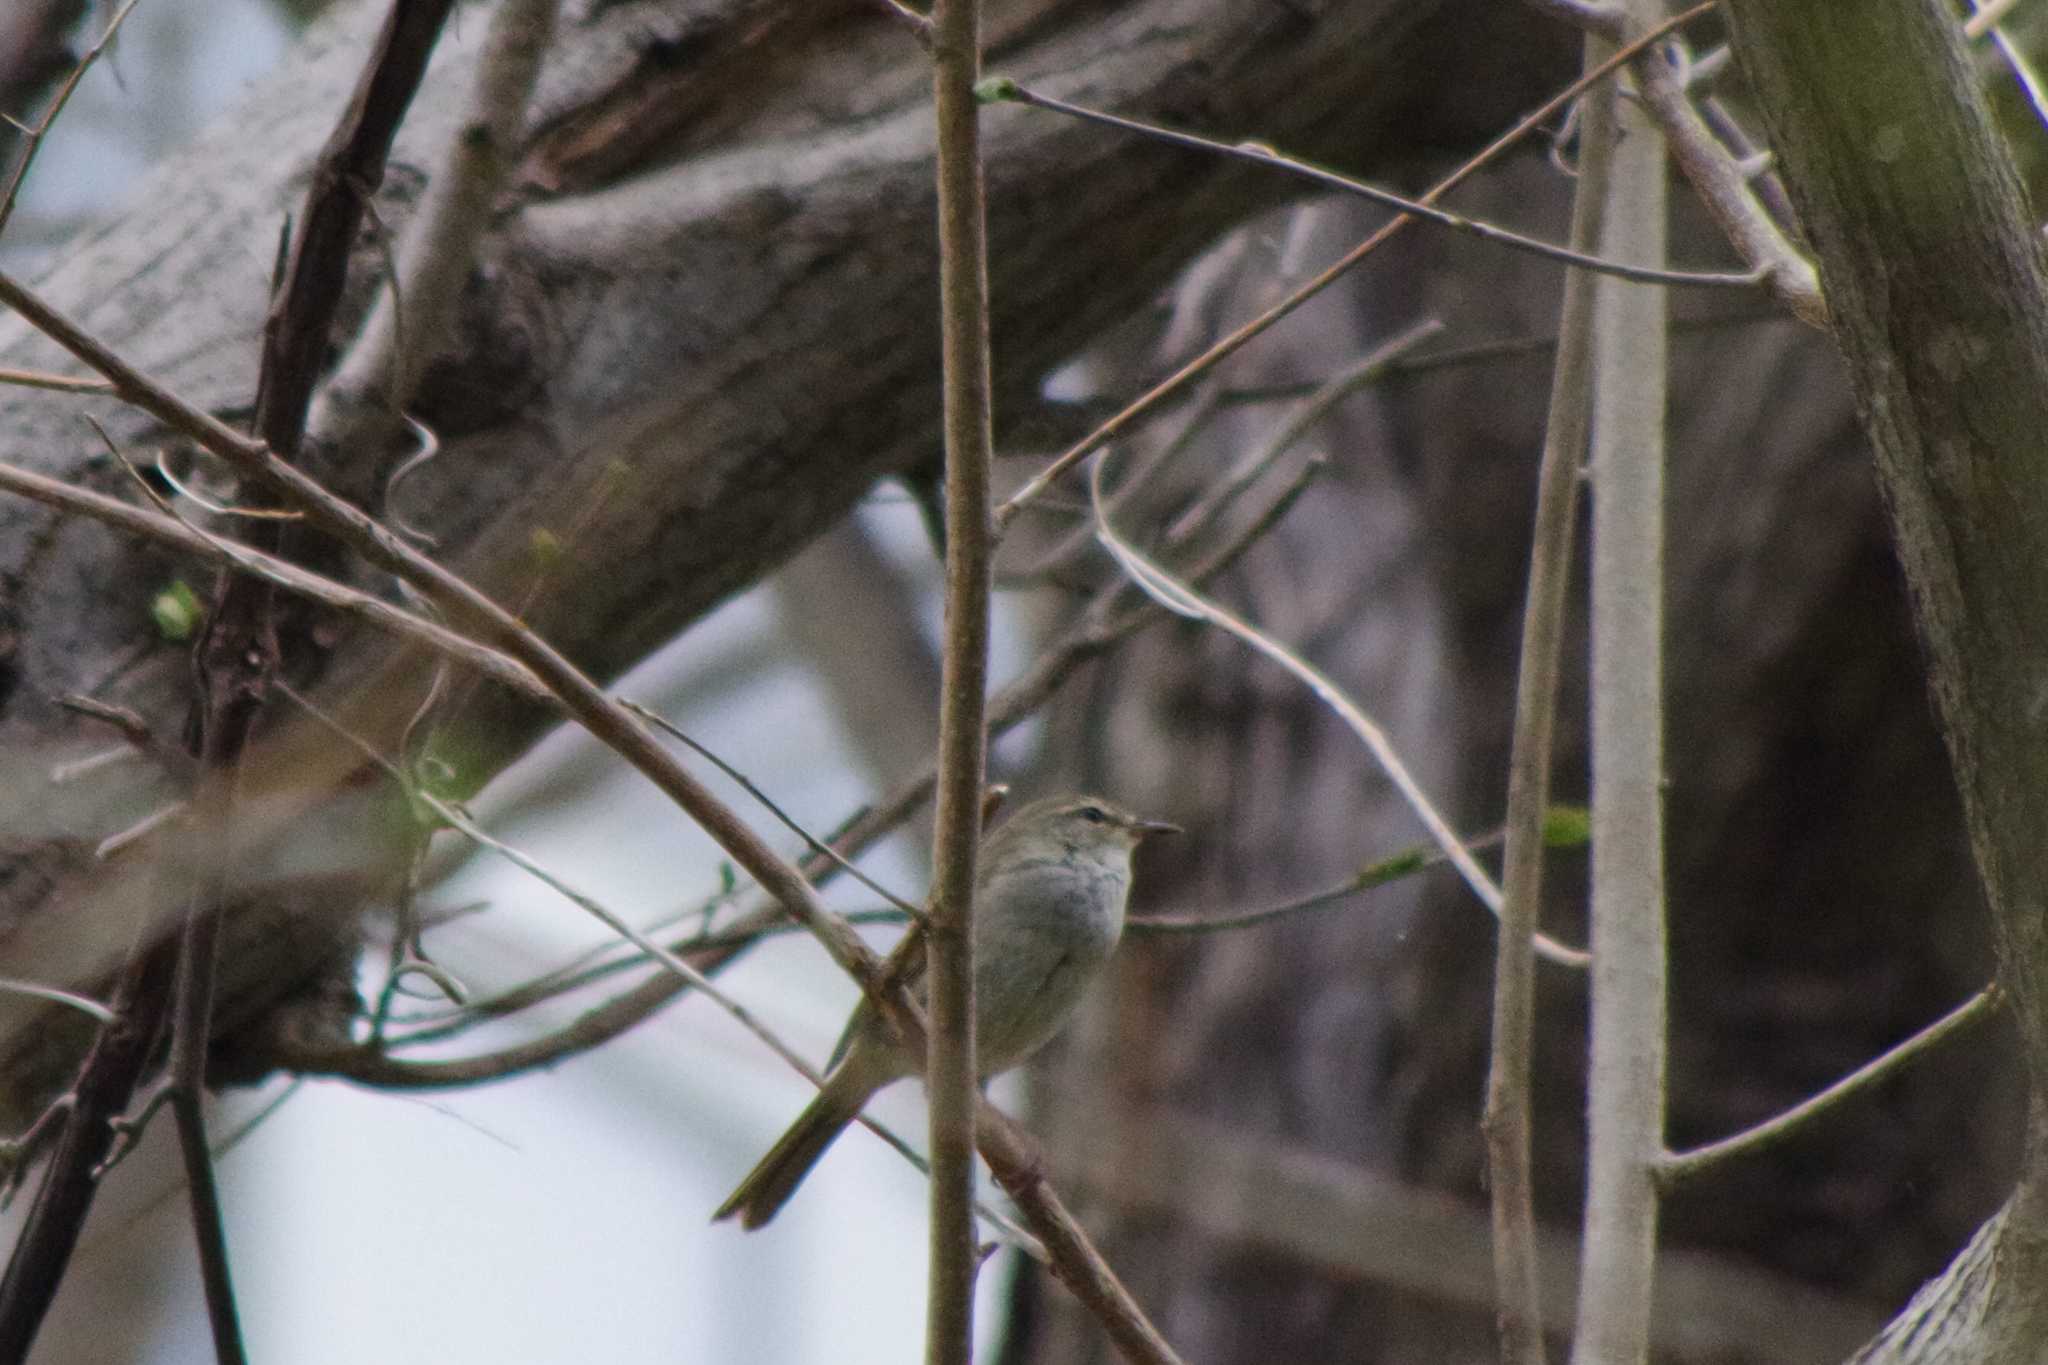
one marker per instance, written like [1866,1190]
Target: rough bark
[1935,272]
[700,330]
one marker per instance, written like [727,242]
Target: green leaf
[176,611]
[1567,827]
[1406,863]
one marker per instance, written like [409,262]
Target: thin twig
[349,170]
[748,785]
[1406,863]
[1679,1168]
[1724,188]
[1229,345]
[950,1071]
[33,137]
[1494,351]
[17,1153]
[1183,600]
[1368,369]
[192,1018]
[1988,16]
[106,1082]
[1716,173]
[2014,53]
[1510,1056]
[458,819]
[920,25]
[56,383]
[183,536]
[1261,155]
[601,963]
[84,1004]
[360,406]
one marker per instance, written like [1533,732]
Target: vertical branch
[237,654]
[348,172]
[107,1080]
[1626,1099]
[1506,1120]
[963,295]
[360,406]
[227,722]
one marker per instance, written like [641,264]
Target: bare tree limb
[1510,1057]
[951,1073]
[1625,1087]
[1678,1168]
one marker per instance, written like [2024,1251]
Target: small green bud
[1567,827]
[176,611]
[996,90]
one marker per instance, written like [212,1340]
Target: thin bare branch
[1626,1097]
[748,785]
[33,137]
[361,404]
[82,1003]
[182,536]
[56,383]
[920,25]
[1679,1168]
[1367,370]
[1183,600]
[1716,173]
[1510,1181]
[1406,863]
[106,1082]
[1230,344]
[1259,154]
[1724,187]
[950,1071]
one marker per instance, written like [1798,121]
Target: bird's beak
[1147,828]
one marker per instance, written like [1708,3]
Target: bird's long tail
[775,1177]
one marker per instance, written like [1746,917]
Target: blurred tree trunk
[1823,901]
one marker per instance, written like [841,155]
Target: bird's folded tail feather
[775,1177]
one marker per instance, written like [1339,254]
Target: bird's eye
[1094,815]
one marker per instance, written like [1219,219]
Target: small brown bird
[1049,900]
